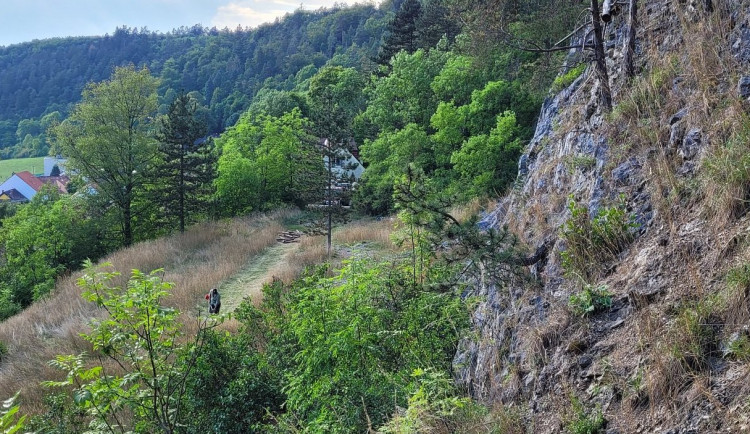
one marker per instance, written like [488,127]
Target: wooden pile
[289,237]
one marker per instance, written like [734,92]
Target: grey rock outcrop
[743,87]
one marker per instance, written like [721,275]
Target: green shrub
[738,348]
[593,243]
[346,346]
[231,390]
[10,419]
[565,80]
[582,421]
[590,300]
[726,175]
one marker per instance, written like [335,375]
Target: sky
[26,20]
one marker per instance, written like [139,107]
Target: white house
[23,182]
[345,165]
[51,162]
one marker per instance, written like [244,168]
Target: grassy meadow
[205,256]
[34,165]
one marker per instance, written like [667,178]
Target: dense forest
[222,123]
[40,80]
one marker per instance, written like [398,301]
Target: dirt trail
[249,282]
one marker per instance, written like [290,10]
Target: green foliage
[582,421]
[63,416]
[108,139]
[590,300]
[390,155]
[266,161]
[228,66]
[433,403]
[185,165]
[726,174]
[335,97]
[10,422]
[43,239]
[232,389]
[487,164]
[594,243]
[144,339]
[402,31]
[563,81]
[437,111]
[346,346]
[355,343]
[738,348]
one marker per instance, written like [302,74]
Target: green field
[34,165]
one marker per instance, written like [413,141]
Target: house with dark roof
[24,183]
[12,195]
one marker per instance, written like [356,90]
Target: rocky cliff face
[667,355]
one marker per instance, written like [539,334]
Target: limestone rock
[691,144]
[743,88]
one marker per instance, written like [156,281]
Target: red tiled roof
[60,182]
[30,179]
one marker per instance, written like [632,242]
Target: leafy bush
[346,346]
[565,80]
[433,404]
[593,243]
[10,422]
[144,338]
[584,422]
[63,416]
[590,300]
[231,390]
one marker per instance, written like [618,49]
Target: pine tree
[185,169]
[434,23]
[402,32]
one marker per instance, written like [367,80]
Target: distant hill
[227,67]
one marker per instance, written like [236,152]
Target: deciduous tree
[109,139]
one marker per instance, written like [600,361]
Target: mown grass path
[249,282]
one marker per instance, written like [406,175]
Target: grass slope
[249,282]
[8,167]
[195,261]
[237,256]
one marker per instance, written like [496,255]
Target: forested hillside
[40,80]
[170,154]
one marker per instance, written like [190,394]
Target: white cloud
[251,13]
[236,13]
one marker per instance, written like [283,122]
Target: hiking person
[214,301]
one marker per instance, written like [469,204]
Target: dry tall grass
[195,261]
[312,249]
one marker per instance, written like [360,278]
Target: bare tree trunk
[628,58]
[605,94]
[329,199]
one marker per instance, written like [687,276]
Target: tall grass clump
[594,243]
[683,352]
[726,176]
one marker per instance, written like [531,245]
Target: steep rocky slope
[671,353]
